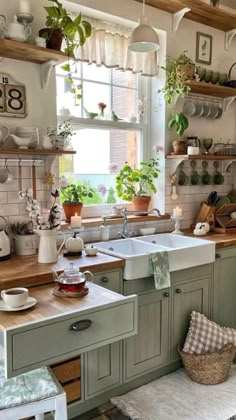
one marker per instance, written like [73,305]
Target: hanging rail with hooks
[20,161]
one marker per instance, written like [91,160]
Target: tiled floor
[105,412]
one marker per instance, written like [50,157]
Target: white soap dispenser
[104,231]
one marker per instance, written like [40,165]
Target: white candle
[177,212]
[24,7]
[75,221]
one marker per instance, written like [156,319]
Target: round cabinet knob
[166,294]
[218,256]
[105,279]
[178,291]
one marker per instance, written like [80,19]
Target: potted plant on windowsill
[60,135]
[180,122]
[136,184]
[73,196]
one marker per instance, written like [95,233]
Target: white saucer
[30,302]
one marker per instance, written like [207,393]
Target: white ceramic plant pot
[25,244]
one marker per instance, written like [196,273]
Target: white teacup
[15,297]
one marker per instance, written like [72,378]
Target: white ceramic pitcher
[48,251]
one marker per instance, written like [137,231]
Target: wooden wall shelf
[209,89]
[201,157]
[37,152]
[200,12]
[31,53]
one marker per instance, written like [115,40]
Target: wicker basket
[209,368]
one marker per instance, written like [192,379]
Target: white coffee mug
[15,297]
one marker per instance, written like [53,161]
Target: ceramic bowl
[189,109]
[91,251]
[213,112]
[147,231]
[222,78]
[208,76]
[215,77]
[24,142]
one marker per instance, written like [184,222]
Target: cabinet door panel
[103,369]
[224,308]
[187,297]
[147,350]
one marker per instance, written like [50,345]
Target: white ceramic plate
[30,302]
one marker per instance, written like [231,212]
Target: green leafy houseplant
[63,129]
[178,71]
[73,195]
[180,122]
[132,183]
[74,32]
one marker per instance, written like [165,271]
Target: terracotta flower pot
[54,38]
[70,209]
[180,147]
[189,70]
[141,203]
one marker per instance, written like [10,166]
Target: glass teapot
[72,280]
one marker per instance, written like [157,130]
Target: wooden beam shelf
[31,53]
[209,89]
[34,152]
[200,12]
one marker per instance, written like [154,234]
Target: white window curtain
[108,46]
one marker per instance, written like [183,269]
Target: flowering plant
[137,182]
[101,107]
[75,193]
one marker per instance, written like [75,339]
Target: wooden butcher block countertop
[222,240]
[26,271]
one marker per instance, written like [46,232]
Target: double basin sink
[183,252]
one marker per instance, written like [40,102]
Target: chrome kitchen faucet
[125,233]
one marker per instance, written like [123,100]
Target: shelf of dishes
[201,157]
[8,151]
[210,89]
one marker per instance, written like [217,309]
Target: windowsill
[98,221]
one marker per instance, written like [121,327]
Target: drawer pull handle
[105,279]
[178,291]
[218,256]
[80,325]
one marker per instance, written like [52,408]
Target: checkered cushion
[205,336]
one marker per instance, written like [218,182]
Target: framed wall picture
[203,48]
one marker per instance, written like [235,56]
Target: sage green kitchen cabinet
[103,369]
[190,292]
[224,288]
[149,349]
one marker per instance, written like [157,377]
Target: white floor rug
[176,397]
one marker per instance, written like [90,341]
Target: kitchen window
[102,146]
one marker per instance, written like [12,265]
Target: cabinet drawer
[111,280]
[52,341]
[68,370]
[73,391]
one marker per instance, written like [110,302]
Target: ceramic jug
[17,32]
[4,133]
[48,251]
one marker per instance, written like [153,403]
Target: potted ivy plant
[178,71]
[60,26]
[136,184]
[180,122]
[73,196]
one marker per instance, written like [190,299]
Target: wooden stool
[31,394]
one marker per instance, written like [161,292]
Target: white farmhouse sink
[183,252]
[135,253]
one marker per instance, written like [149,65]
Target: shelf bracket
[46,69]
[227,102]
[177,17]
[229,37]
[175,163]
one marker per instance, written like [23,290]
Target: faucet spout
[125,230]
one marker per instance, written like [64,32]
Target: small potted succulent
[73,196]
[60,135]
[180,122]
[136,184]
[178,71]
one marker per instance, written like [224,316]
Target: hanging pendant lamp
[144,38]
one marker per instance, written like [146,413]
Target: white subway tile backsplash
[9,209]
[3,198]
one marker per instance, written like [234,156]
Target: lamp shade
[144,38]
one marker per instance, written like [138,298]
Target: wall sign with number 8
[12,97]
